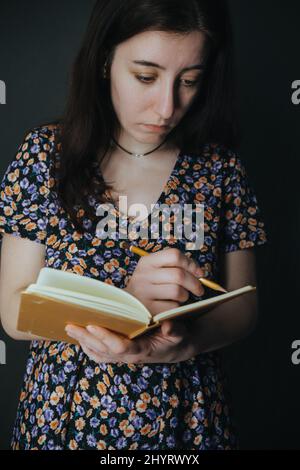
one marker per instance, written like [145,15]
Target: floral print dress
[67,400]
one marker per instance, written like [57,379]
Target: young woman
[149,117]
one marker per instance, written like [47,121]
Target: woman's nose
[166,101]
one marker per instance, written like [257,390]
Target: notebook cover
[40,315]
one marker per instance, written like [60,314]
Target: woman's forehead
[161,47]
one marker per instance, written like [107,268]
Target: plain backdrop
[38,42]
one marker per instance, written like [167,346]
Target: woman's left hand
[170,343]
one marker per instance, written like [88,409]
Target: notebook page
[85,285]
[88,301]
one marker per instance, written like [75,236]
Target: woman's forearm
[226,323]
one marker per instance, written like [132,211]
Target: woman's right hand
[163,280]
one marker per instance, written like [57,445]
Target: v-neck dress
[67,400]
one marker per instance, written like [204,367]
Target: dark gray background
[38,41]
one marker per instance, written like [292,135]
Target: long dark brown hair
[89,120]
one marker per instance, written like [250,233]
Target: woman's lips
[155,128]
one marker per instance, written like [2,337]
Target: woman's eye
[191,83]
[147,80]
[144,79]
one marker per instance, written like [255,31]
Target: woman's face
[161,94]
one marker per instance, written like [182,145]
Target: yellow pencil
[206,282]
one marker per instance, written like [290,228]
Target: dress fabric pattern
[67,400]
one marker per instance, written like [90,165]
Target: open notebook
[59,298]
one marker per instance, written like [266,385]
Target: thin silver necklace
[138,155]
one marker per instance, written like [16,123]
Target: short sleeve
[25,190]
[241,221]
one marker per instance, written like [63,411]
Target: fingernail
[69,331]
[91,329]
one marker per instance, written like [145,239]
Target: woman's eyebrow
[152,64]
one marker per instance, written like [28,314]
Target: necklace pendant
[138,155]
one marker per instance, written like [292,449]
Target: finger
[77,333]
[84,336]
[95,344]
[158,306]
[180,277]
[92,354]
[172,257]
[115,343]
[167,292]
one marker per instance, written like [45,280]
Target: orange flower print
[73,445]
[53,222]
[42,156]
[84,384]
[94,272]
[54,398]
[106,379]
[80,424]
[73,248]
[94,402]
[12,177]
[129,431]
[173,184]
[51,240]
[16,189]
[174,401]
[123,389]
[141,406]
[132,415]
[103,429]
[101,445]
[60,391]
[77,398]
[237,201]
[172,199]
[242,244]
[123,424]
[82,263]
[96,242]
[8,211]
[54,424]
[145,429]
[146,397]
[239,218]
[109,267]
[198,439]
[217,192]
[199,197]
[42,439]
[121,410]
[251,210]
[78,270]
[41,422]
[133,446]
